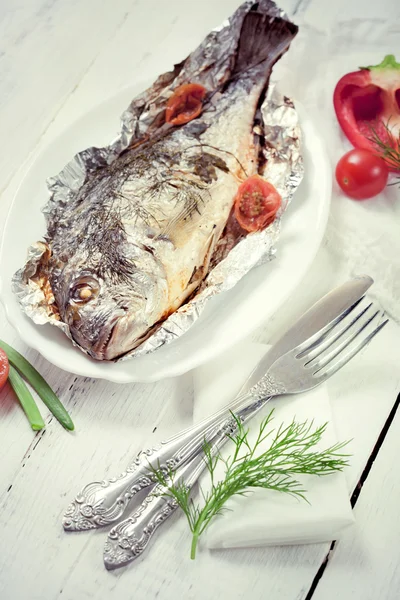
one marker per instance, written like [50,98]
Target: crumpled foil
[283,168]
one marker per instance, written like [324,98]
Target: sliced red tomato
[361,174]
[185,104]
[256,203]
[4,368]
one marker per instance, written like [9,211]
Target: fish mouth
[99,349]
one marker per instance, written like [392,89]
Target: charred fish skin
[136,239]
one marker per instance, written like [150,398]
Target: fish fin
[200,272]
[191,205]
[168,228]
[262,38]
[35,276]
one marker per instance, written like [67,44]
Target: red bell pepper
[370,99]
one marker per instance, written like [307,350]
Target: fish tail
[263,38]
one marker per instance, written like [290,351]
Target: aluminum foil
[283,168]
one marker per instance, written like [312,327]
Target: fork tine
[327,340]
[318,337]
[325,356]
[348,355]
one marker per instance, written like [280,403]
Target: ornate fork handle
[130,538]
[103,502]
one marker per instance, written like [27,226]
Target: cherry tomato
[256,203]
[4,368]
[185,104]
[361,174]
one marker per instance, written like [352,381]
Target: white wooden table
[57,59]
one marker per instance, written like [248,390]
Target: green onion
[40,386]
[26,399]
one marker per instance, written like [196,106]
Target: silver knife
[103,502]
[129,538]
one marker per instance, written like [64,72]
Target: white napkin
[266,517]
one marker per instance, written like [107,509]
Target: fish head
[109,314]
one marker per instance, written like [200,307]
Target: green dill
[291,452]
[387,146]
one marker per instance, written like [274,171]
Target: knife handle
[130,538]
[127,540]
[101,503]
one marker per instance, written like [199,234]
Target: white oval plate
[227,319]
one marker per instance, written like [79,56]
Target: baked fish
[137,238]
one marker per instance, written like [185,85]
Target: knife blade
[321,315]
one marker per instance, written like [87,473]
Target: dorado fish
[138,237]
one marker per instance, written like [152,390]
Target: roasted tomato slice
[256,203]
[4,368]
[185,104]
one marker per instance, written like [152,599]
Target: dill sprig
[291,452]
[387,146]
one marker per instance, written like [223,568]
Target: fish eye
[84,289]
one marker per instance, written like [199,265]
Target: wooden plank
[364,564]
[75,561]
[46,47]
[79,60]
[114,421]
[144,40]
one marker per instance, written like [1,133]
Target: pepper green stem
[389,62]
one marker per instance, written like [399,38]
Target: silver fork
[301,369]
[101,503]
